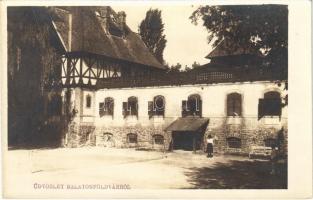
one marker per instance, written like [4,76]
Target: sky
[186,42]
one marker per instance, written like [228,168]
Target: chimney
[121,19]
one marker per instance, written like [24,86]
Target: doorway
[187,140]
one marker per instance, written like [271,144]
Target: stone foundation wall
[145,139]
[80,135]
[251,132]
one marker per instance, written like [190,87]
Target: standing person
[209,146]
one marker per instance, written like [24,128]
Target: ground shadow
[246,174]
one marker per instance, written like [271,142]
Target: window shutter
[200,108]
[101,109]
[184,108]
[150,108]
[125,109]
[261,107]
[277,107]
[136,109]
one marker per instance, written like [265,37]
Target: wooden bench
[260,151]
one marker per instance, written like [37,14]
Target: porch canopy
[192,124]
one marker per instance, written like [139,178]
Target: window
[158,139]
[106,107]
[270,105]
[132,138]
[269,142]
[233,142]
[88,101]
[157,106]
[193,106]
[234,104]
[130,107]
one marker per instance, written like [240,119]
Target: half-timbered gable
[99,45]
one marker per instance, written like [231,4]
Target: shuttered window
[234,104]
[109,106]
[270,105]
[101,109]
[106,107]
[193,106]
[157,106]
[130,107]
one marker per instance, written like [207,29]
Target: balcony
[192,77]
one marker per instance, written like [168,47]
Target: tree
[33,63]
[175,68]
[151,31]
[195,65]
[262,27]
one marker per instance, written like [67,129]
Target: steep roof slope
[222,49]
[99,30]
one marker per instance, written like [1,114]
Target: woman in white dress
[209,146]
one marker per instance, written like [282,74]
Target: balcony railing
[193,77]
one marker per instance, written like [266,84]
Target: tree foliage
[33,63]
[262,27]
[151,31]
[175,68]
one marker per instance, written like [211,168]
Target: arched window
[234,104]
[157,106]
[272,95]
[130,107]
[193,106]
[88,101]
[158,139]
[269,142]
[270,105]
[106,107]
[132,138]
[233,142]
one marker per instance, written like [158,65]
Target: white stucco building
[121,96]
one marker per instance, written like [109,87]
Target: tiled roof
[102,35]
[222,49]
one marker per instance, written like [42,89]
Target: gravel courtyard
[134,170]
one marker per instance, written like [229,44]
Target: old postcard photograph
[156,99]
